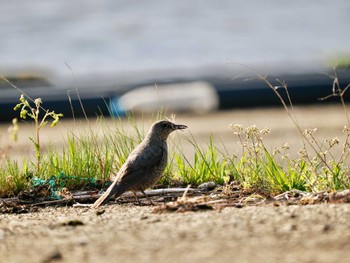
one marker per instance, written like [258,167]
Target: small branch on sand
[184,199]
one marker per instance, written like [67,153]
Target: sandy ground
[319,233]
[127,233]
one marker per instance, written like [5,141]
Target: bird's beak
[179,127]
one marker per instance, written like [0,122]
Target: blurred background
[197,56]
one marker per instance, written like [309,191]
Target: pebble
[208,186]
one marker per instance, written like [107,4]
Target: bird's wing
[140,164]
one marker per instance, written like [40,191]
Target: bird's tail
[110,192]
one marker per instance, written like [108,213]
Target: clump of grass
[91,156]
[261,169]
[14,178]
[208,164]
[317,164]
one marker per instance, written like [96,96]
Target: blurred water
[114,35]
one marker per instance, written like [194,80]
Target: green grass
[208,164]
[13,178]
[90,159]
[87,158]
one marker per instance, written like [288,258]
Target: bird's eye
[164,125]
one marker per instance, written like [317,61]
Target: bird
[145,164]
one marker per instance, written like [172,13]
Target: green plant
[33,112]
[326,172]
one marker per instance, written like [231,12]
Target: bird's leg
[137,199]
[148,198]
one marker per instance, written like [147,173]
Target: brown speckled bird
[145,165]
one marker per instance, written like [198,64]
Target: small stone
[327,227]
[208,186]
[100,212]
[293,215]
[74,222]
[54,256]
[293,227]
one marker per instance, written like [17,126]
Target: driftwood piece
[158,195]
[184,199]
[90,196]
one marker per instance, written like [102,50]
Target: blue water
[109,36]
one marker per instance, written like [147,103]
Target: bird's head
[162,129]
